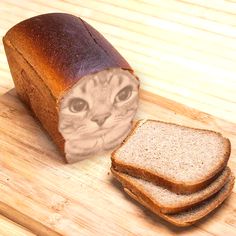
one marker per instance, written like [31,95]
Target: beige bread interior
[182,159]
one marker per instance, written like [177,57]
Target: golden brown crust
[165,209]
[33,92]
[156,210]
[197,216]
[47,55]
[171,184]
[62,49]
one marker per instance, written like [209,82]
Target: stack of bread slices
[179,173]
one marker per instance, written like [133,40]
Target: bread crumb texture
[178,152]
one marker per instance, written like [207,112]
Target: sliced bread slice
[194,214]
[180,158]
[165,200]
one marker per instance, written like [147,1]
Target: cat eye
[124,94]
[78,105]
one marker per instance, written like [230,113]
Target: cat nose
[100,119]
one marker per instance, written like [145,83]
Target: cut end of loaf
[88,112]
[49,56]
[179,156]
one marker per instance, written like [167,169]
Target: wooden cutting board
[39,191]
[7,226]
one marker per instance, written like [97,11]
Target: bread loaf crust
[34,93]
[48,55]
[63,48]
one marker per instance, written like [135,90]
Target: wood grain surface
[8,227]
[48,197]
[184,53]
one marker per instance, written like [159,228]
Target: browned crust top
[63,48]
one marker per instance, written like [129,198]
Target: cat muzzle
[100,119]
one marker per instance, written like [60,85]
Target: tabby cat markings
[96,114]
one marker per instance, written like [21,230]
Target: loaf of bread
[78,86]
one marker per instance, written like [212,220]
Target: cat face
[98,110]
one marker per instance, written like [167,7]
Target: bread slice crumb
[182,159]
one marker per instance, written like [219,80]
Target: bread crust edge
[170,219]
[166,209]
